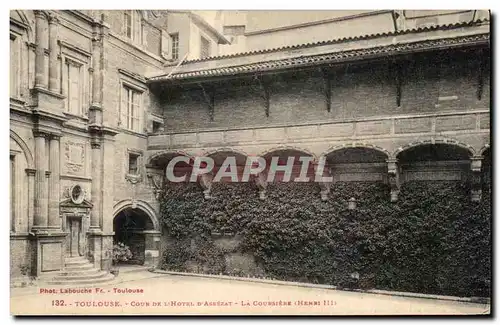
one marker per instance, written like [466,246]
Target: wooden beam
[209,96]
[480,76]
[264,87]
[327,88]
[398,78]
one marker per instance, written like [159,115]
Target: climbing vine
[433,240]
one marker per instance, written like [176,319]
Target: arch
[355,145]
[167,155]
[288,148]
[484,149]
[214,152]
[226,149]
[27,152]
[447,141]
[144,206]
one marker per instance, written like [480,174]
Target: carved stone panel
[74,158]
[51,253]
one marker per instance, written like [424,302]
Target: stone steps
[107,278]
[79,271]
[81,267]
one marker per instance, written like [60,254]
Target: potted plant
[121,253]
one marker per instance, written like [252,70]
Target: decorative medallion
[76,194]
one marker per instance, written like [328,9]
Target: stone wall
[428,85]
[69,154]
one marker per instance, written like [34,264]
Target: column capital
[392,166]
[95,145]
[53,18]
[40,14]
[55,137]
[30,171]
[476,163]
[41,134]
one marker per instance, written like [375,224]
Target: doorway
[130,226]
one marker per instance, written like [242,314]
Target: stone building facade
[80,115]
[98,109]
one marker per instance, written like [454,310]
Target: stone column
[393,171]
[96,69]
[206,183]
[41,206]
[42,37]
[323,177]
[95,215]
[476,182]
[261,182]
[54,79]
[107,190]
[31,197]
[54,220]
[152,247]
[107,198]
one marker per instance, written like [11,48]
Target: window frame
[15,70]
[128,26]
[68,63]
[138,154]
[204,40]
[133,156]
[79,57]
[174,37]
[128,88]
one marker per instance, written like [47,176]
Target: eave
[329,54]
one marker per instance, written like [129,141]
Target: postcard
[258,162]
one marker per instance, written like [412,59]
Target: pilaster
[40,197]
[108,183]
[96,194]
[31,195]
[152,247]
[54,220]
[42,44]
[54,67]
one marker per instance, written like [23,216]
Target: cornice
[332,58]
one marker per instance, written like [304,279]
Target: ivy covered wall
[433,240]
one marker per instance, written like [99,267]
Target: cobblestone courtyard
[149,293]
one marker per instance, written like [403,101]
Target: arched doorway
[134,228]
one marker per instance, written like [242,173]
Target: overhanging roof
[333,51]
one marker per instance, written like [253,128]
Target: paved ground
[174,295]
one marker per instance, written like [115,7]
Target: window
[15,64]
[175,46]
[127,23]
[73,75]
[131,109]
[157,126]
[205,48]
[133,160]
